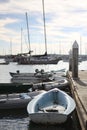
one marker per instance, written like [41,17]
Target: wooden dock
[79,92]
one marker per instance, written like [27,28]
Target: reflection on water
[66,126]
[14,120]
[40,127]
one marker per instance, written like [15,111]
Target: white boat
[16,101]
[18,74]
[32,79]
[51,107]
[3,62]
[38,76]
[37,79]
[62,83]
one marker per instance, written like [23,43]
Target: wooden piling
[70,60]
[75,60]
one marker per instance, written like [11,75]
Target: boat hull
[17,101]
[61,84]
[61,72]
[40,59]
[39,62]
[6,88]
[48,118]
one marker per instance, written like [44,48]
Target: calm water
[13,67]
[18,119]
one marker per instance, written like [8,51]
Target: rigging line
[28,33]
[44,26]
[22,35]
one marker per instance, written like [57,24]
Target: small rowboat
[51,107]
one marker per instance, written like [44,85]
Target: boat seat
[55,108]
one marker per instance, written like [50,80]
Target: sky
[65,20]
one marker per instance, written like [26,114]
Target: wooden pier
[79,92]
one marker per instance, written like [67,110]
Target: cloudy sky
[66,21]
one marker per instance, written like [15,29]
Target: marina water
[18,119]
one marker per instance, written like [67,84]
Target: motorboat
[21,74]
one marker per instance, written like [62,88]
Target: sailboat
[39,59]
[10,58]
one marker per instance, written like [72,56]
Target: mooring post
[70,60]
[75,60]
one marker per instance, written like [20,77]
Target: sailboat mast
[28,33]
[80,45]
[11,46]
[21,39]
[44,26]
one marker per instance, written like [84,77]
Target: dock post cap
[75,44]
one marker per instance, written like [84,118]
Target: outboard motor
[36,70]
[42,71]
[18,71]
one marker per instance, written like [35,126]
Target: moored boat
[16,101]
[14,87]
[61,72]
[38,76]
[40,59]
[3,62]
[51,107]
[31,79]
[61,84]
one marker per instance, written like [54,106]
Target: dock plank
[79,91]
[81,84]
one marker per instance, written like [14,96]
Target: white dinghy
[51,107]
[61,84]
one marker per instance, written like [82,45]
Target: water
[13,67]
[18,119]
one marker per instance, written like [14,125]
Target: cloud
[4,1]
[66,20]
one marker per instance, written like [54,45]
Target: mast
[80,45]
[21,39]
[28,33]
[11,46]
[44,27]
